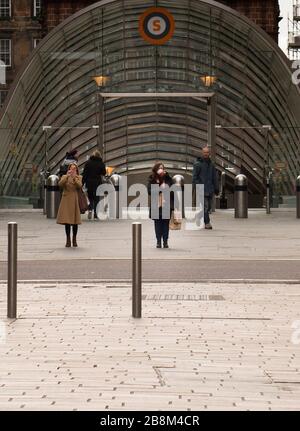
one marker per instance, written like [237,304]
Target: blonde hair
[97,153]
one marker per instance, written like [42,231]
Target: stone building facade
[24,22]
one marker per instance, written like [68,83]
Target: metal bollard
[298,196]
[241,196]
[12,271]
[136,270]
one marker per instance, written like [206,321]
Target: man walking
[204,172]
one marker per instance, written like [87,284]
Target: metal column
[223,200]
[298,196]
[101,126]
[212,112]
[268,200]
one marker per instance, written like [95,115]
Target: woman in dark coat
[160,177]
[93,171]
[71,157]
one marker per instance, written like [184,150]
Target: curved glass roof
[56,88]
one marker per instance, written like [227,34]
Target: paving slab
[260,237]
[198,346]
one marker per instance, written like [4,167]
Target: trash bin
[241,196]
[115,180]
[52,196]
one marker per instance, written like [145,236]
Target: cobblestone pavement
[199,346]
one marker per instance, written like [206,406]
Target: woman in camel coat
[69,212]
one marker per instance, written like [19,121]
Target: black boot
[68,243]
[166,244]
[158,244]
[74,241]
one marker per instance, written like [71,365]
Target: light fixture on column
[208,80]
[101,80]
[109,170]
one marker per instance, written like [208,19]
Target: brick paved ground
[198,347]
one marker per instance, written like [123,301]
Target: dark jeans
[93,199]
[161,228]
[207,208]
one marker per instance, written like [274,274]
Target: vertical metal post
[268,200]
[45,196]
[211,108]
[223,183]
[12,271]
[101,126]
[136,270]
[223,199]
[298,196]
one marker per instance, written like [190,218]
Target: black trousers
[162,228]
[207,208]
[68,229]
[93,199]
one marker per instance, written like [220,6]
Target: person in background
[68,211]
[160,177]
[93,171]
[204,172]
[71,157]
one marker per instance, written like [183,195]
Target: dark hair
[155,168]
[72,154]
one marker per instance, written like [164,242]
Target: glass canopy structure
[56,105]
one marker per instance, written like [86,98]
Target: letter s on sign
[156,25]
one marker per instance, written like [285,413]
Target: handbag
[82,201]
[175,221]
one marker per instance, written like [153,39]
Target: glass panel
[248,74]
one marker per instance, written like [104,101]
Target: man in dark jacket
[204,172]
[93,171]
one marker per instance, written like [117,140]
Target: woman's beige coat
[69,212]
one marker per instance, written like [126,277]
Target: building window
[5,8]
[5,51]
[36,42]
[37,8]
[3,94]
